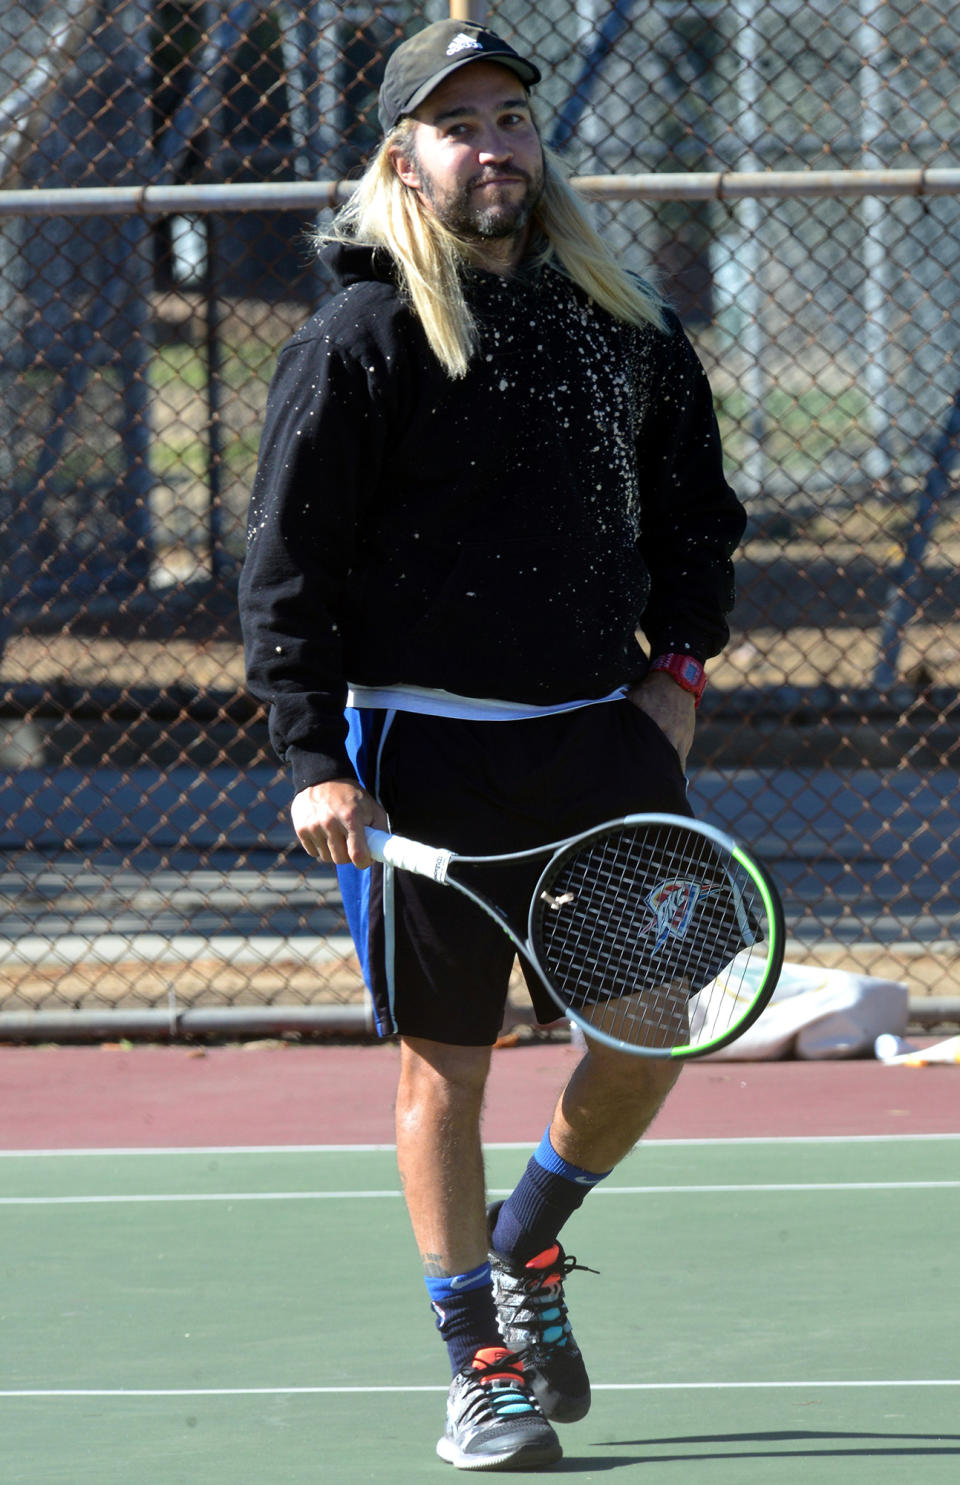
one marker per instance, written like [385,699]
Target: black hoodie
[503,535]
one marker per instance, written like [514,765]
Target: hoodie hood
[357,263]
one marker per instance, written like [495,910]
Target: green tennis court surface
[765,1310]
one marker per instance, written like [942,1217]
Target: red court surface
[147,1096]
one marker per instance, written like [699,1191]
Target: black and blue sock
[549,1191]
[465,1313]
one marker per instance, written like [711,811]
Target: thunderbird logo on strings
[673,904]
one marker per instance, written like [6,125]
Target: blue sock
[465,1313]
[549,1191]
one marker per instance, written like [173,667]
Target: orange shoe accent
[544,1259]
[490,1356]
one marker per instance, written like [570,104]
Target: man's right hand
[330,821]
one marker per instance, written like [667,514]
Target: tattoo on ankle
[434,1266]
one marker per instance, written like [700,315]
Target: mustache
[490,177]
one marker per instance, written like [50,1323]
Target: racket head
[657,934]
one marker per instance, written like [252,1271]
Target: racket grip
[408,855]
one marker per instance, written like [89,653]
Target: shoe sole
[527,1457]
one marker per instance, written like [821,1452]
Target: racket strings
[636,926]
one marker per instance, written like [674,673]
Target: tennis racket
[656,934]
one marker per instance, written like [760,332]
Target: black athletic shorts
[436,965]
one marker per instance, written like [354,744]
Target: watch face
[685,670]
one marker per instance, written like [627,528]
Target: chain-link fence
[151,265]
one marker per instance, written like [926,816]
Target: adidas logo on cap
[463,43]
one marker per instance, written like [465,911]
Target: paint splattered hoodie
[502,536]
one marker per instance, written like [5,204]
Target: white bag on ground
[822,1013]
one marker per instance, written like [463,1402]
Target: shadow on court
[832,1445]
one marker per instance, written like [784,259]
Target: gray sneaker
[533,1320]
[493,1420]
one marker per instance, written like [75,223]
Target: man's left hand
[672,708]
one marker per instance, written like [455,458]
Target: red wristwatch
[687,672]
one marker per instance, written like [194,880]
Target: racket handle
[408,855]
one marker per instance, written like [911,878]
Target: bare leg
[439,1101]
[607,1105]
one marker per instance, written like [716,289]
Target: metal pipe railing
[707,185]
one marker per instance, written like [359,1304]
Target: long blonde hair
[383,212]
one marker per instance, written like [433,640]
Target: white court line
[776,1186]
[391,1193]
[220,1150]
[733,1141]
[137,1392]
[173,1196]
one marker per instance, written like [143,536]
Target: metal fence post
[878,462]
[468,10]
[748,44]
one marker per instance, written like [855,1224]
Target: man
[487,462]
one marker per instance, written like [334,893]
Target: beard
[471,213]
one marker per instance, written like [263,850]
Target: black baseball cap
[421,62]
